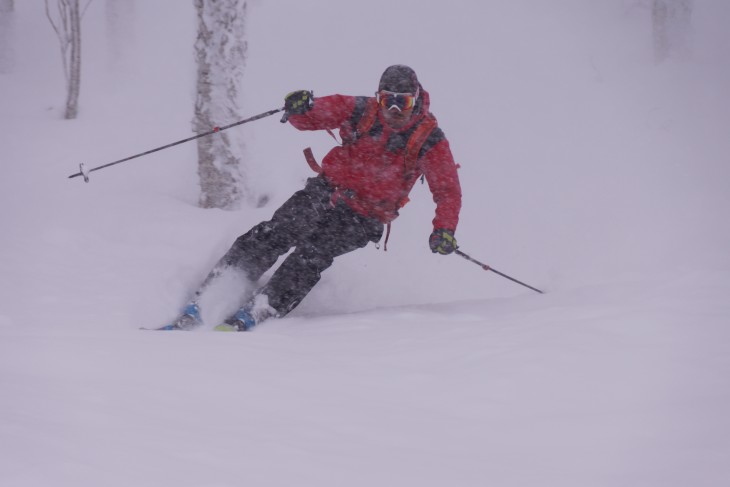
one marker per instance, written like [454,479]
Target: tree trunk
[220,52]
[7,29]
[671,20]
[74,75]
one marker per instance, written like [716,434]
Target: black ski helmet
[399,78]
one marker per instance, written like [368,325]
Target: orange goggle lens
[402,101]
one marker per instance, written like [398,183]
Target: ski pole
[488,268]
[85,172]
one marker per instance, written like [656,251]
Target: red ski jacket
[368,171]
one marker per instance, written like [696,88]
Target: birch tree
[66,22]
[7,30]
[671,21]
[220,51]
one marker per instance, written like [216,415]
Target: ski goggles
[402,101]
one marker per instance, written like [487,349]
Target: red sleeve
[440,170]
[328,112]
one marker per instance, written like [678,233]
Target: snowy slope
[586,170]
[609,385]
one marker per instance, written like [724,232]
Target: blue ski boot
[188,320]
[253,313]
[243,320]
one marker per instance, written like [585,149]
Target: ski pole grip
[84,172]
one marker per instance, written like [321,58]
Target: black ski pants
[318,230]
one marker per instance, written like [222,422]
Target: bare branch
[62,32]
[53,24]
[83,11]
[63,12]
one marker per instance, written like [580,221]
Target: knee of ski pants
[346,232]
[314,257]
[374,229]
[249,241]
[368,228]
[254,253]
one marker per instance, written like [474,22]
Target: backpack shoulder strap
[367,120]
[417,139]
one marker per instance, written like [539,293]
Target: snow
[587,171]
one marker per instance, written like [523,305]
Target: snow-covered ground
[587,171]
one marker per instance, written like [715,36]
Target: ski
[163,328]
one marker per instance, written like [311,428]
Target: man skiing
[388,142]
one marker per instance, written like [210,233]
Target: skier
[388,142]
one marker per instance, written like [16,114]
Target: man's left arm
[443,180]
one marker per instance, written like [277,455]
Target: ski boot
[187,321]
[243,320]
[253,313]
